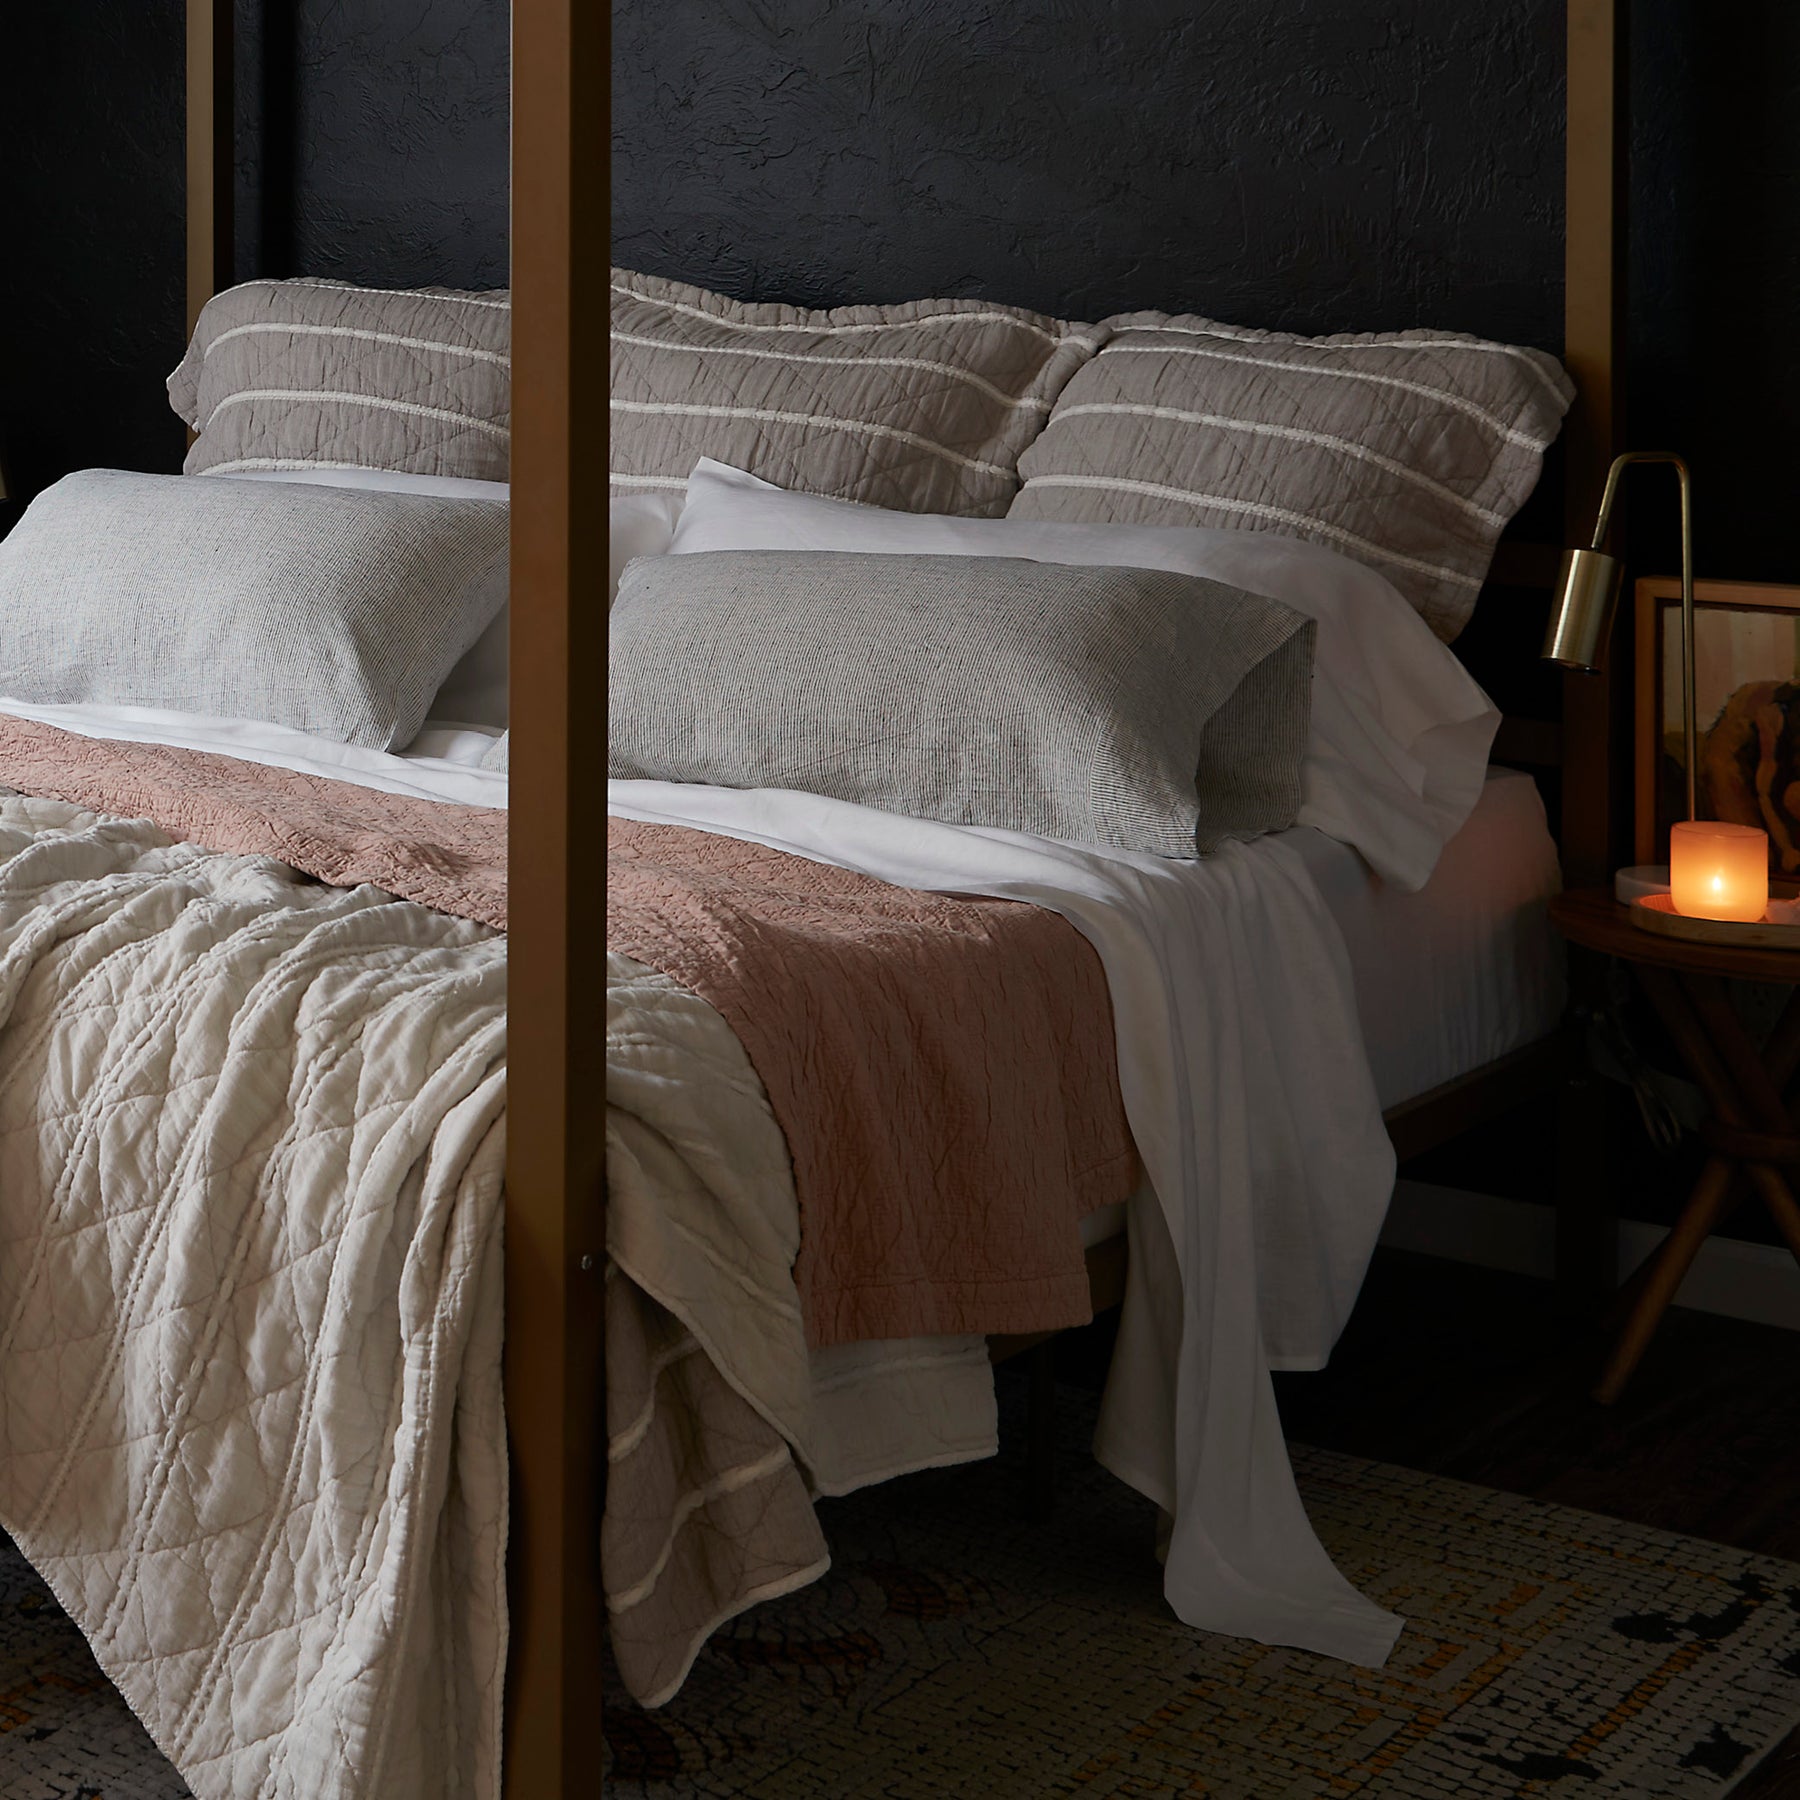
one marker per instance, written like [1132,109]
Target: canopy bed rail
[554,1202]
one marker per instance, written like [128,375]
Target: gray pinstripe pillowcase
[1409,451]
[317,374]
[922,407]
[1133,708]
[329,610]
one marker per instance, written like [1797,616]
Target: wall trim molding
[1759,1282]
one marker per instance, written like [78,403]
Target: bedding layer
[251,1151]
[923,406]
[1073,703]
[327,610]
[721,1424]
[449,857]
[306,374]
[1255,1116]
[943,1070]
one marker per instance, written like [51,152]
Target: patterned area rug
[955,1650]
[64,1732]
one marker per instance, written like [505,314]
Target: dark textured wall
[373,146]
[91,273]
[1297,163]
[373,142]
[1715,315]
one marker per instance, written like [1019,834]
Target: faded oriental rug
[956,1652]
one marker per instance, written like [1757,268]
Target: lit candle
[1719,871]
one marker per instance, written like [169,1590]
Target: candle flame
[1718,884]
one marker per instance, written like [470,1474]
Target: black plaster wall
[91,269]
[373,146]
[1298,163]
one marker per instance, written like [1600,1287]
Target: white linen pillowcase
[1398,748]
[475,691]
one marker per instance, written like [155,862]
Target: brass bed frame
[555,1202]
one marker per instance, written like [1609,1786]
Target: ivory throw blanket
[942,1067]
[251,1150]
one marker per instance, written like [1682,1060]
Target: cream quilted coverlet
[251,1145]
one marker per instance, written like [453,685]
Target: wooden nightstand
[1752,1124]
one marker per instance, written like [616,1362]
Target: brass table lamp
[1718,868]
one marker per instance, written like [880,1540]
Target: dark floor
[1470,1373]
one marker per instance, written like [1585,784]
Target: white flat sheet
[1453,976]
[1254,1111]
[439,764]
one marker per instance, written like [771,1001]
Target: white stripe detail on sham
[1268,365]
[852,361]
[502,357]
[966,318]
[1320,439]
[323,397]
[677,482]
[350,287]
[1244,335]
[1254,509]
[770,1463]
[764,415]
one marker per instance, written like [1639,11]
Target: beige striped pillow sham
[319,374]
[1409,451]
[922,407]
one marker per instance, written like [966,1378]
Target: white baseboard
[1743,1281]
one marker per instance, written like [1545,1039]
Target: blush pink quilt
[943,1068]
[450,858]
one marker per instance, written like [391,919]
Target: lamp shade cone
[1587,591]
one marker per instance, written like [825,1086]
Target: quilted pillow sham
[323,609]
[318,374]
[1131,708]
[1409,451]
[923,407]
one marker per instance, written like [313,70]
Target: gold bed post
[555,1238]
[210,136]
[1594,707]
[1594,351]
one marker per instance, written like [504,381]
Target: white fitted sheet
[1465,969]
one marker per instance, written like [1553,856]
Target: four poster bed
[556,1262]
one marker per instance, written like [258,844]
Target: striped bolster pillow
[922,407]
[1409,451]
[319,375]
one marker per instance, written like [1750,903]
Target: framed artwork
[1747,694]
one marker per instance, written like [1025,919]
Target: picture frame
[1747,643]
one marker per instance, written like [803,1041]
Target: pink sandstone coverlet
[943,1069]
[448,857]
